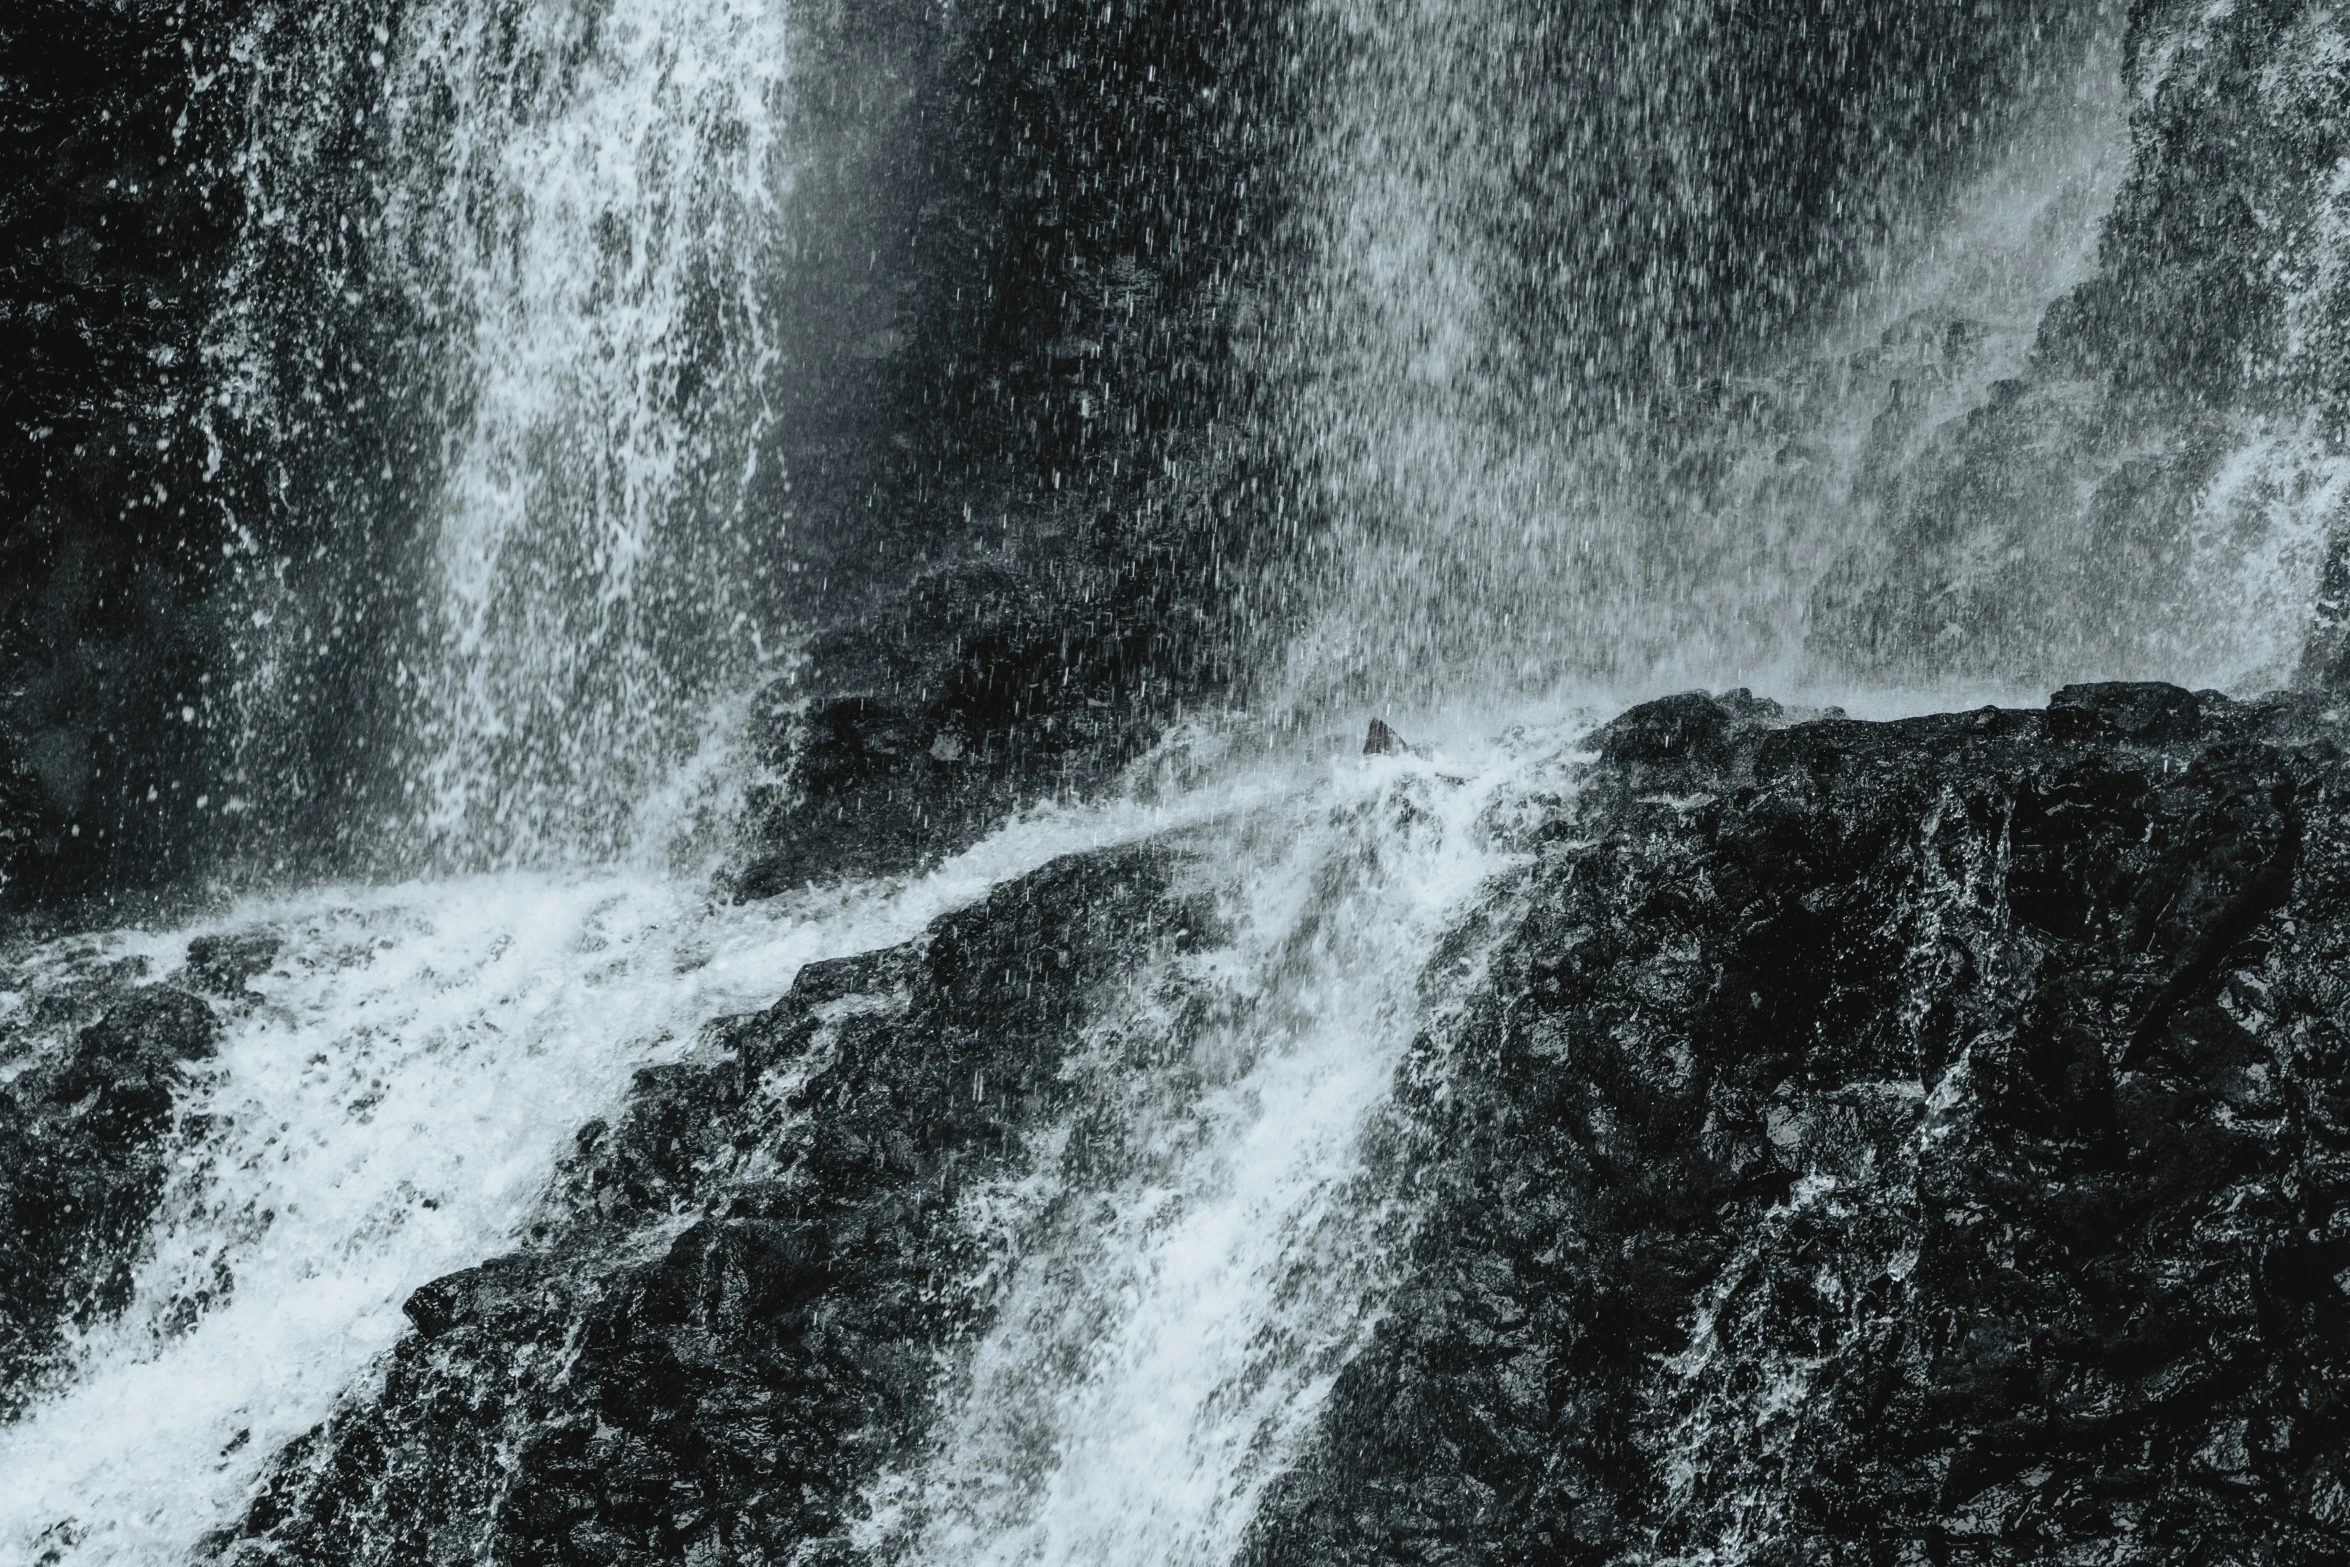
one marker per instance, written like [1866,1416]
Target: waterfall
[1539,486]
[1582,403]
[1168,1324]
[387,1103]
[1518,512]
[594,226]
[574,209]
[393,1090]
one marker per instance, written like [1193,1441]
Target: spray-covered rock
[1894,1142]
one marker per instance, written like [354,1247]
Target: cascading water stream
[582,203]
[592,220]
[387,1103]
[1166,1331]
[568,215]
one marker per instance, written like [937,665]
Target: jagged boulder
[1908,1142]
[915,731]
[83,1151]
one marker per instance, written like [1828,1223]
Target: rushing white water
[552,224]
[389,1106]
[581,200]
[591,222]
[388,1109]
[1166,1333]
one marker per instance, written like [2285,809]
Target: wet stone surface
[1910,1142]
[91,1068]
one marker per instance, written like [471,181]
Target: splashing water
[585,198]
[548,226]
[388,1106]
[595,223]
[386,1110]
[1167,1331]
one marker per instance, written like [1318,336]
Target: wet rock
[120,216]
[1905,1142]
[84,1145]
[1049,541]
[915,731]
[220,965]
[730,1316]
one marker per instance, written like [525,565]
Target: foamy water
[391,1103]
[388,1110]
[1167,1334]
[592,226]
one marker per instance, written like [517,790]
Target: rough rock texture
[728,1319]
[1899,1143]
[990,685]
[1062,438]
[90,1068]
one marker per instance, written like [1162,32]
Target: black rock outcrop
[95,1064]
[1909,1142]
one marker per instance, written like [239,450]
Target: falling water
[1165,1333]
[386,1107]
[1515,517]
[567,213]
[592,226]
[579,200]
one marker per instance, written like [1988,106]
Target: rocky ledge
[1914,1142]
[1898,1143]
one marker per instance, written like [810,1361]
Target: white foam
[389,1111]
[1166,1335]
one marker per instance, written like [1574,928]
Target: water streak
[1214,1235]
[592,194]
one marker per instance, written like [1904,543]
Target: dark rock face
[1905,1142]
[84,1134]
[1909,1142]
[1063,446]
[729,1318]
[113,225]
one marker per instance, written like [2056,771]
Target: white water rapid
[569,213]
[389,1105]
[1165,1338]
